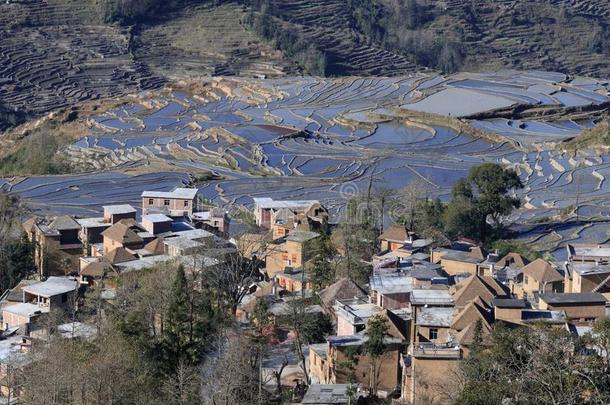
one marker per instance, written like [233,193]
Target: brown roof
[340,290]
[478,252]
[542,271]
[465,337]
[96,269]
[123,232]
[471,313]
[29,224]
[120,255]
[486,288]
[513,260]
[395,233]
[155,246]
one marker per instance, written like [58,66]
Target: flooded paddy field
[326,139]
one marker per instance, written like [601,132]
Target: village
[399,332]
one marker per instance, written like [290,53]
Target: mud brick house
[180,202]
[328,361]
[459,261]
[57,246]
[588,277]
[394,237]
[285,216]
[294,252]
[126,233]
[537,277]
[577,306]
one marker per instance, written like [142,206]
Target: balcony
[436,350]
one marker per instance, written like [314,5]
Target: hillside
[58,53]
[392,36]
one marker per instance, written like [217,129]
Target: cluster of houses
[434,300]
[74,253]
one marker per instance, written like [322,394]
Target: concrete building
[179,202]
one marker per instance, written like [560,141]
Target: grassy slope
[597,137]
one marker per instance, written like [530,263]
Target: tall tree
[375,348]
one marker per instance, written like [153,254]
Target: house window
[186,203]
[151,201]
[433,334]
[166,202]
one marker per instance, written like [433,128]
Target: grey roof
[23,309]
[356,313]
[573,298]
[177,193]
[182,243]
[119,209]
[267,202]
[194,234]
[52,286]
[508,303]
[64,223]
[358,339]
[393,283]
[588,268]
[155,218]
[319,348]
[97,222]
[431,297]
[324,394]
[435,316]
[425,272]
[460,256]
[589,251]
[302,236]
[143,263]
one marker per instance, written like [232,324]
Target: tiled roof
[395,233]
[542,271]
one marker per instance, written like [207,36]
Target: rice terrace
[310,138]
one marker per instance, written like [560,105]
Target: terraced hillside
[206,41]
[52,55]
[561,35]
[329,26]
[57,53]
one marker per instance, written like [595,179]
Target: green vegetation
[507,246]
[542,365]
[35,155]
[479,201]
[400,26]
[131,11]
[16,262]
[291,43]
[477,206]
[598,136]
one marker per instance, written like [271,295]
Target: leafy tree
[16,261]
[308,328]
[323,269]
[189,322]
[375,348]
[480,200]
[535,365]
